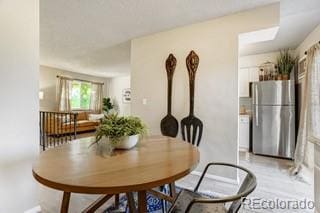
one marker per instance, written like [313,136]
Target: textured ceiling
[91,36]
[297,19]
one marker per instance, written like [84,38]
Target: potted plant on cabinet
[119,132]
[285,64]
[107,105]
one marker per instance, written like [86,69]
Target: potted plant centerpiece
[119,132]
[285,64]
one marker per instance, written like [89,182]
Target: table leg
[65,202]
[173,192]
[116,200]
[131,203]
[142,201]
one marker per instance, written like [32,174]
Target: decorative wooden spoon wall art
[191,126]
[169,124]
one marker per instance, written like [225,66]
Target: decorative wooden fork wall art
[191,126]
[169,124]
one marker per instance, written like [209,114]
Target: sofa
[64,123]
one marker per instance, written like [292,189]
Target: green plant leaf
[115,127]
[285,62]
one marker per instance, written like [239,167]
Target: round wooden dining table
[77,168]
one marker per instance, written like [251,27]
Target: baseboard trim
[36,209]
[217,178]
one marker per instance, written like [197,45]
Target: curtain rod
[77,79]
[306,52]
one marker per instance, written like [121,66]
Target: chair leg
[163,202]
[173,192]
[97,204]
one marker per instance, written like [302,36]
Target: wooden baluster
[65,128]
[46,126]
[69,126]
[48,118]
[54,128]
[60,129]
[75,123]
[71,116]
[40,129]
[43,132]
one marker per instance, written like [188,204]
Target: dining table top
[76,167]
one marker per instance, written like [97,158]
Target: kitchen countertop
[246,114]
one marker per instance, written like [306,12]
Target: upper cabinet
[254,74]
[247,75]
[249,69]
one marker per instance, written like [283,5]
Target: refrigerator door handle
[257,115]
[256,103]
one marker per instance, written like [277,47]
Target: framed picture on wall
[302,67]
[126,95]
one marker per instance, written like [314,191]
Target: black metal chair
[192,201]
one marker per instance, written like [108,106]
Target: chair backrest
[247,186]
[247,183]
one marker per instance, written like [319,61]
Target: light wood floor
[274,182]
[272,176]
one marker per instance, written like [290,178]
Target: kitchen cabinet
[244,132]
[247,75]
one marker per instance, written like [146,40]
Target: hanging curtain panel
[314,95]
[64,94]
[96,98]
[309,127]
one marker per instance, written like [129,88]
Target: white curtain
[96,98]
[64,94]
[309,127]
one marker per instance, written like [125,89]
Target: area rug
[154,204]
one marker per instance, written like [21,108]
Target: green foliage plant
[107,105]
[285,62]
[116,127]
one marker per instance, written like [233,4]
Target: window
[81,94]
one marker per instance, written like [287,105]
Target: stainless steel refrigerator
[273,118]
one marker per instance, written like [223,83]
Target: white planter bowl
[127,142]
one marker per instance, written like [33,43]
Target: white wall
[257,60]
[19,58]
[116,86]
[48,84]
[310,40]
[216,92]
